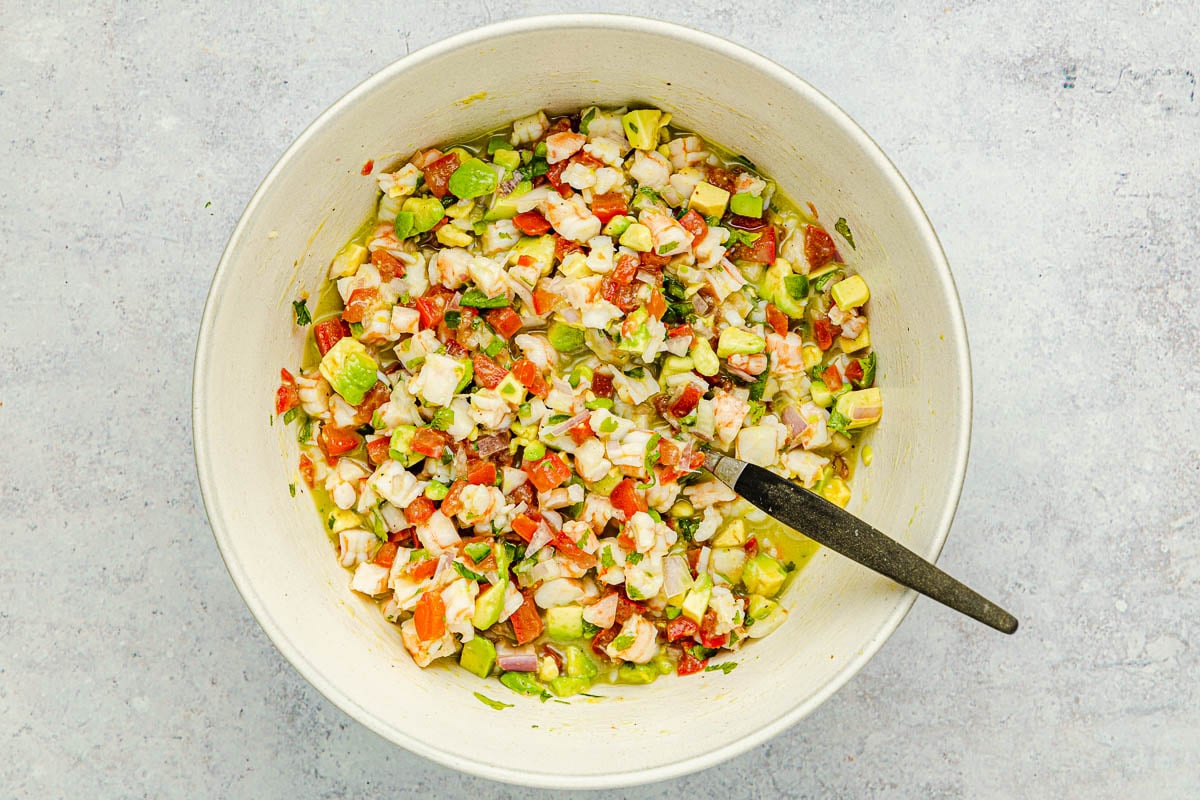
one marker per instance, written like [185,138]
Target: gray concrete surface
[1057,150]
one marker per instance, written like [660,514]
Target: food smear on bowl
[513,371]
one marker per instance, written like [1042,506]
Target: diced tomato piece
[419,510]
[388,265]
[823,330]
[554,175]
[668,452]
[681,628]
[522,494]
[452,502]
[335,441]
[544,301]
[573,552]
[686,401]
[437,174]
[327,332]
[625,269]
[607,206]
[307,470]
[432,308]
[819,247]
[626,499]
[285,376]
[581,432]
[375,397]
[378,449]
[689,664]
[760,251]
[721,177]
[564,247]
[531,377]
[707,627]
[587,160]
[360,304]
[695,224]
[525,261]
[287,396]
[531,223]
[524,527]
[680,330]
[505,321]
[657,305]
[402,538]
[626,608]
[652,260]
[549,473]
[430,442]
[560,125]
[777,320]
[526,622]
[621,295]
[430,616]
[751,546]
[488,373]
[752,224]
[854,371]
[482,474]
[386,555]
[368,166]
[602,639]
[602,384]
[424,569]
[832,379]
[454,349]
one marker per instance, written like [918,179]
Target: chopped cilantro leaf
[490,703]
[606,557]
[842,227]
[623,642]
[634,558]
[462,570]
[727,667]
[478,551]
[302,315]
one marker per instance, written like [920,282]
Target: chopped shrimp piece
[425,653]
[650,169]
[687,151]
[750,364]
[537,348]
[529,129]
[571,217]
[644,645]
[669,237]
[315,393]
[561,146]
[786,352]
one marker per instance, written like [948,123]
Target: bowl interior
[315,197]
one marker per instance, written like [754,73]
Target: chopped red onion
[795,423]
[541,537]
[516,659]
[563,427]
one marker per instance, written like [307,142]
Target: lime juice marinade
[513,371]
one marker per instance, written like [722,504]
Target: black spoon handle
[842,532]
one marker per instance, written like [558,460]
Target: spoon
[842,532]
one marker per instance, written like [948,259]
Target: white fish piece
[708,493]
[590,462]
[370,579]
[394,483]
[558,592]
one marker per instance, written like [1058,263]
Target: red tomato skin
[437,174]
[328,332]
[819,247]
[531,223]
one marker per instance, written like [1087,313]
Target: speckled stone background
[1057,150]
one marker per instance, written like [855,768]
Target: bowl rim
[203,367]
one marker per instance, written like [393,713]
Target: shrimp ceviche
[513,372]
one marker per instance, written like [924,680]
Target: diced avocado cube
[478,657]
[565,338]
[402,437]
[511,390]
[850,292]
[539,248]
[696,602]
[547,669]
[637,673]
[426,211]
[564,623]
[704,359]
[473,178]
[618,225]
[673,365]
[745,204]
[821,394]
[811,355]
[728,561]
[489,605]
[767,615]
[637,237]
[735,340]
[862,407]
[451,236]
[347,262]
[836,491]
[763,575]
[732,535]
[350,369]
[579,665]
[708,200]
[604,487]
[663,664]
[509,159]
[506,207]
[436,491]
[867,363]
[636,341]
[775,288]
[564,686]
[641,127]
[522,683]
[339,520]
[854,345]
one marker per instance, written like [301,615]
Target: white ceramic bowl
[315,197]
